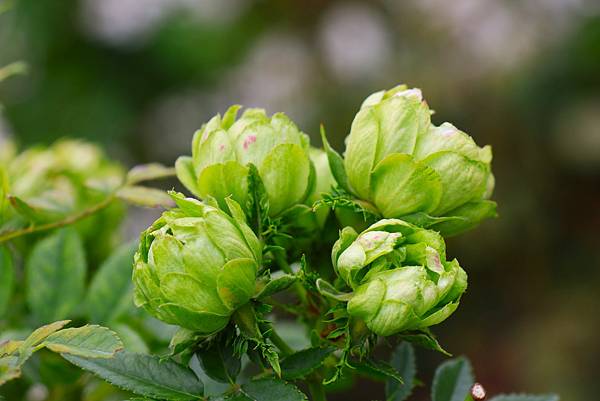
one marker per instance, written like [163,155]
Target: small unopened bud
[478,392]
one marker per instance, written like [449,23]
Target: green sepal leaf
[219,360]
[403,360]
[426,221]
[55,273]
[426,340]
[258,202]
[89,341]
[145,375]
[7,279]
[304,362]
[526,397]
[276,285]
[110,292]
[452,380]
[329,291]
[145,196]
[465,217]
[147,172]
[336,163]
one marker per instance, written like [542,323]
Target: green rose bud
[400,162]
[400,276]
[196,265]
[224,147]
[323,182]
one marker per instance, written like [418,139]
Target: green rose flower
[224,147]
[400,276]
[196,265]
[401,163]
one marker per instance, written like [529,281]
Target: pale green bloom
[400,276]
[224,147]
[400,162]
[196,265]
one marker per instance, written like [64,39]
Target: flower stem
[6,236]
[317,390]
[280,343]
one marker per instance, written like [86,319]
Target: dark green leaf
[7,278]
[525,397]
[147,172]
[146,197]
[110,292]
[379,370]
[336,163]
[90,341]
[425,340]
[271,390]
[219,361]
[403,360]
[452,381]
[276,285]
[56,272]
[145,375]
[304,362]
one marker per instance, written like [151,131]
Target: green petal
[447,137]
[230,116]
[165,255]
[392,318]
[437,317]
[236,282]
[202,322]
[184,290]
[226,235]
[285,173]
[217,148]
[240,219]
[223,180]
[367,299]
[361,147]
[403,186]
[463,179]
[347,236]
[470,215]
[184,168]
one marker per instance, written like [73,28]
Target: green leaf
[425,340]
[29,346]
[452,380]
[219,361]
[271,390]
[304,362]
[145,375]
[465,217]
[146,197]
[132,340]
[110,292]
[336,163]
[16,68]
[55,273]
[10,369]
[31,213]
[403,360]
[147,172]
[7,279]
[276,285]
[329,291]
[525,397]
[89,341]
[379,370]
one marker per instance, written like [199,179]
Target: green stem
[317,390]
[280,343]
[281,260]
[57,224]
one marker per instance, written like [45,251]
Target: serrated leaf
[147,172]
[452,380]
[379,369]
[271,390]
[276,285]
[304,362]
[7,279]
[110,292]
[526,397]
[145,196]
[89,341]
[41,333]
[425,340]
[145,375]
[403,360]
[56,272]
[132,340]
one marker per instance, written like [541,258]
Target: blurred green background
[139,76]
